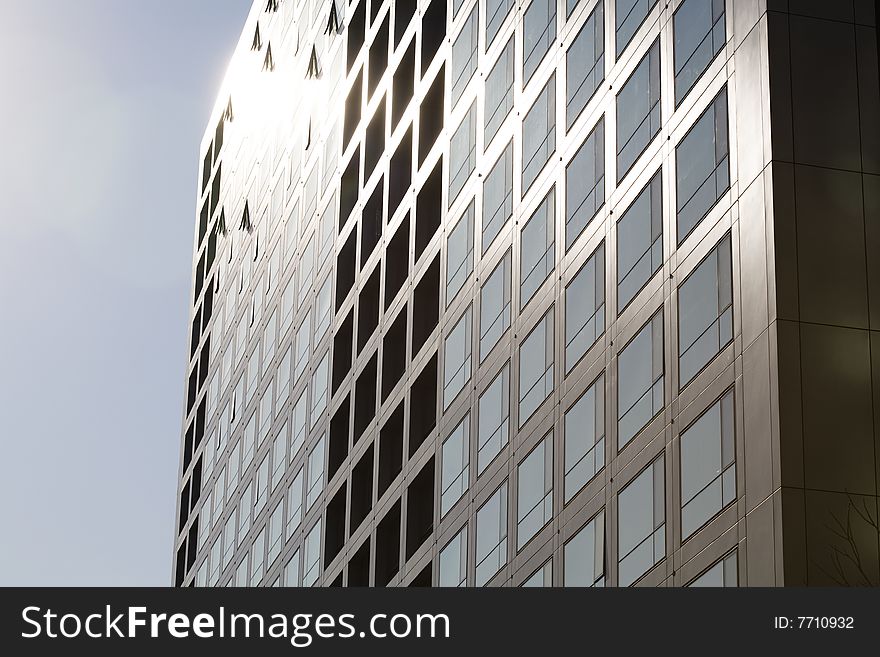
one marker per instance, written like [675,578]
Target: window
[699,35]
[494,417]
[496,12]
[463,153]
[276,532]
[723,573]
[306,269]
[539,33]
[536,371]
[628,18]
[541,578]
[282,377]
[585,65]
[294,503]
[279,457]
[584,427]
[291,571]
[453,561]
[498,197]
[708,470]
[495,306]
[539,133]
[454,468]
[585,308]
[258,556]
[640,380]
[638,110]
[322,310]
[585,184]
[460,253]
[431,111]
[491,550]
[537,248]
[312,565]
[534,499]
[315,482]
[499,94]
[457,358]
[301,359]
[320,384]
[299,422]
[584,555]
[464,55]
[702,174]
[705,312]
[641,523]
[640,242]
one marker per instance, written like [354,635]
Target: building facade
[538,293]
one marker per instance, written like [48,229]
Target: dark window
[338,449]
[404,10]
[334,532]
[585,184]
[361,491]
[353,107]
[374,141]
[628,18]
[702,168]
[356,28]
[705,312]
[390,450]
[397,261]
[640,242]
[359,564]
[342,351]
[368,309]
[433,31]
[699,35]
[426,306]
[638,110]
[431,115]
[371,222]
[403,84]
[378,56]
[365,398]
[400,173]
[420,508]
[423,398]
[429,209]
[349,187]
[388,546]
[394,354]
[346,269]
[585,64]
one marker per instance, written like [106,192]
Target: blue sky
[102,107]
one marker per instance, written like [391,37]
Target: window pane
[495,307]
[705,312]
[585,64]
[493,419]
[585,438]
[584,555]
[699,35]
[312,566]
[499,94]
[640,380]
[641,523]
[723,573]
[585,184]
[320,384]
[539,134]
[463,153]
[464,55]
[539,33]
[316,473]
[537,248]
[453,561]
[454,466]
[496,12]
[629,16]
[460,253]
[294,504]
[585,308]
[536,371]
[640,242]
[498,197]
[638,110]
[702,166]
[457,358]
[541,578]
[534,499]
[708,470]
[492,536]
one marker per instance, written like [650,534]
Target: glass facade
[393,290]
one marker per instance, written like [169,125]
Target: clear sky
[102,108]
